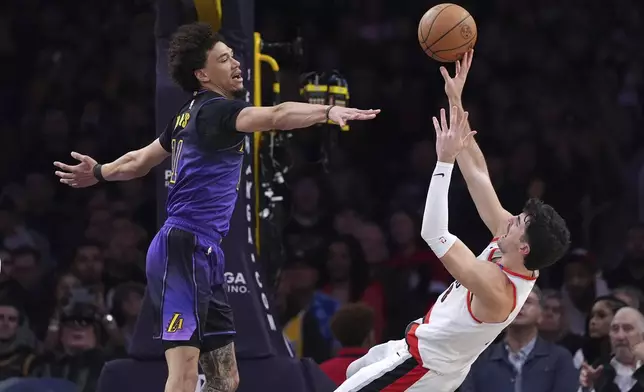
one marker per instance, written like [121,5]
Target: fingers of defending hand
[62,166]
[444,126]
[81,157]
[70,182]
[64,174]
[437,126]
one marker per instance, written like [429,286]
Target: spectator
[596,345]
[624,371]
[631,296]
[29,272]
[346,278]
[353,328]
[306,313]
[65,284]
[308,226]
[580,288]
[523,361]
[126,308]
[16,352]
[630,269]
[554,326]
[79,357]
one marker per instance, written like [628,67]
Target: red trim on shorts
[406,381]
[412,339]
[412,342]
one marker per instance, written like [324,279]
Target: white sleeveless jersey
[449,338]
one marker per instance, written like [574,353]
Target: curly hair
[546,233]
[188,52]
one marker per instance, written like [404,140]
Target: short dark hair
[188,52]
[546,233]
[352,324]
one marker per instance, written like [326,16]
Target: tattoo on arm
[220,368]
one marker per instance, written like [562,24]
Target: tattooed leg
[220,368]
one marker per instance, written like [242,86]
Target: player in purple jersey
[205,139]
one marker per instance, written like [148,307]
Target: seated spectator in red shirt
[353,326]
[346,278]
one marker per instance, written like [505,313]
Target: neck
[217,89]
[628,360]
[518,337]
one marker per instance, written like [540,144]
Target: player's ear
[524,248]
[202,76]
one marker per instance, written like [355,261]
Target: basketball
[446,32]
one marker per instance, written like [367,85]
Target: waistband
[197,229]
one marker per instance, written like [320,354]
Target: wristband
[97,173]
[328,110]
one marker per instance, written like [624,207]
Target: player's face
[222,70]
[513,241]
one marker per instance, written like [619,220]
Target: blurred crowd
[556,93]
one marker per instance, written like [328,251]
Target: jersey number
[177,147]
[456,284]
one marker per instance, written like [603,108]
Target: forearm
[293,115]
[434,228]
[127,167]
[471,160]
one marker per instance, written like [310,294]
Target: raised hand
[80,175]
[589,375]
[340,115]
[452,138]
[454,85]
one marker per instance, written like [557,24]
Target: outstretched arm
[135,164]
[485,280]
[293,115]
[471,160]
[132,165]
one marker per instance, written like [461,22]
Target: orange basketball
[446,32]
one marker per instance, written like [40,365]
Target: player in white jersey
[489,290]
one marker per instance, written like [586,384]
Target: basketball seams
[429,30]
[457,47]
[460,22]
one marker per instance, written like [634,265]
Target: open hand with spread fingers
[80,175]
[452,138]
[340,115]
[454,85]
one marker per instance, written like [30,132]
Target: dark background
[555,93]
